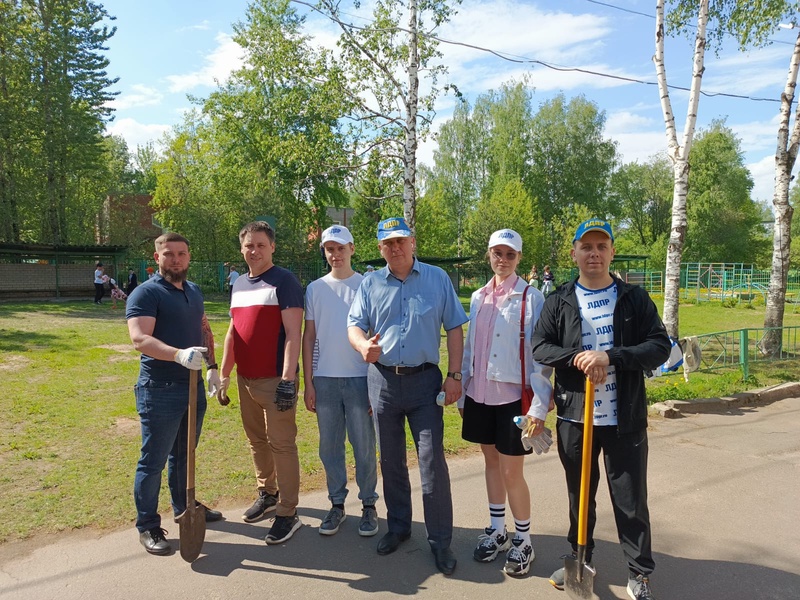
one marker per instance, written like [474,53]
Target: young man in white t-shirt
[336,384]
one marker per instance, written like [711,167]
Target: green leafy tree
[572,162]
[388,113]
[750,23]
[54,91]
[724,222]
[643,193]
[509,206]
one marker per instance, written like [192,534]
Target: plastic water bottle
[440,398]
[521,421]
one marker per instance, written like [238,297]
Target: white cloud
[204,25]
[763,173]
[225,58]
[640,146]
[135,133]
[626,122]
[138,95]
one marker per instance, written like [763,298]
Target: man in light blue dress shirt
[395,323]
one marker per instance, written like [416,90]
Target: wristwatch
[455,375]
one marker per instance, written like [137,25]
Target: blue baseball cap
[393,227]
[593,225]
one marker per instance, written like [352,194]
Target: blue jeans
[163,410]
[343,405]
[395,399]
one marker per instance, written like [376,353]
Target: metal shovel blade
[578,579]
[192,523]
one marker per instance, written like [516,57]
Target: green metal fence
[742,347]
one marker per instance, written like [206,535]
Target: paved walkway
[724,492]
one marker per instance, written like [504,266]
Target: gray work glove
[285,395]
[540,443]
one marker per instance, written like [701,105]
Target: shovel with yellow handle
[579,576]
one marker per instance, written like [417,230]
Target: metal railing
[741,347]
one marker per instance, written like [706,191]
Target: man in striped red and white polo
[263,341]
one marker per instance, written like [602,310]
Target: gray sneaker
[330,524]
[490,545]
[639,588]
[368,525]
[557,578]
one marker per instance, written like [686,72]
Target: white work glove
[222,391]
[539,443]
[191,358]
[212,382]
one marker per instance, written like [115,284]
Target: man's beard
[175,276]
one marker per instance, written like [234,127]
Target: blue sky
[165,50]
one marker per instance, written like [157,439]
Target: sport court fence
[743,347]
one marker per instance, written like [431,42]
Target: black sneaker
[639,588]
[265,503]
[490,544]
[519,558]
[282,529]
[154,541]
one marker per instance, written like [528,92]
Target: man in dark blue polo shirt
[167,324]
[395,323]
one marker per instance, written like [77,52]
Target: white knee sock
[523,530]
[497,514]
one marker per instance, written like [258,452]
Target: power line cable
[653,17]
[525,60]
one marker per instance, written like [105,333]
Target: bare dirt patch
[127,348]
[12,362]
[127,426]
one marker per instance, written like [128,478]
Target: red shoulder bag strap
[524,396]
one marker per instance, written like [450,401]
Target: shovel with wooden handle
[192,521]
[579,576]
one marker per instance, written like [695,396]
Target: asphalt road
[724,491]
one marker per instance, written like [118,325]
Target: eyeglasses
[509,256]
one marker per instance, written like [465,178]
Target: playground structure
[740,282]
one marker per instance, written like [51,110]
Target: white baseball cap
[336,233]
[506,237]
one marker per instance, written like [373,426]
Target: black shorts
[494,426]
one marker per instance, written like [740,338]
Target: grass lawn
[70,439]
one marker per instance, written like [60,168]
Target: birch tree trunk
[679,155]
[785,158]
[412,100]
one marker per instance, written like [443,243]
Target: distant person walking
[548,279]
[99,283]
[133,281]
[533,278]
[233,275]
